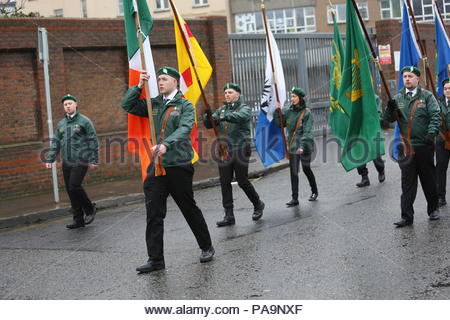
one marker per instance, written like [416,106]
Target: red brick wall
[89,60]
[18,97]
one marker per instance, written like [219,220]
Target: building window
[200,3]
[339,10]
[58,13]
[391,9]
[246,22]
[423,9]
[279,21]
[306,19]
[83,9]
[161,5]
[444,6]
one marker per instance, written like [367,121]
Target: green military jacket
[179,124]
[303,138]
[426,119]
[235,126]
[76,139]
[445,111]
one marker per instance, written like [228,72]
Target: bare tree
[14,8]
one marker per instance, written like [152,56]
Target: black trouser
[420,164]
[442,158]
[178,183]
[294,161]
[79,200]
[237,166]
[378,163]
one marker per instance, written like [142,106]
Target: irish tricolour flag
[138,127]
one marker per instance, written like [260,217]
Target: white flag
[269,96]
[269,140]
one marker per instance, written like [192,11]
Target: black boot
[313,196]
[75,224]
[207,255]
[434,215]
[292,203]
[258,211]
[228,219]
[381,177]
[364,182]
[90,216]
[151,265]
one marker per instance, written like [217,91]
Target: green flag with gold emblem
[364,140]
[338,118]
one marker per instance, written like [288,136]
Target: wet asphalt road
[343,246]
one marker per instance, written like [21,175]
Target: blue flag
[409,56]
[268,137]
[442,52]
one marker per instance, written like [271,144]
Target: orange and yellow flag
[186,43]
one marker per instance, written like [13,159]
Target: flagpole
[223,150]
[159,170]
[380,70]
[422,49]
[331,9]
[280,115]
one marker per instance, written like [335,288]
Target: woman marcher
[298,120]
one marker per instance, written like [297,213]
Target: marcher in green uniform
[298,120]
[174,144]
[419,117]
[443,152]
[75,137]
[233,121]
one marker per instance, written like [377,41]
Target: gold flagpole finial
[332,7]
[262,4]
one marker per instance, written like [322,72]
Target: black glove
[208,113]
[392,105]
[429,139]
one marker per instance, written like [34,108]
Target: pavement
[39,208]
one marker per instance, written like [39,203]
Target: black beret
[231,85]
[68,97]
[411,69]
[299,92]
[169,71]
